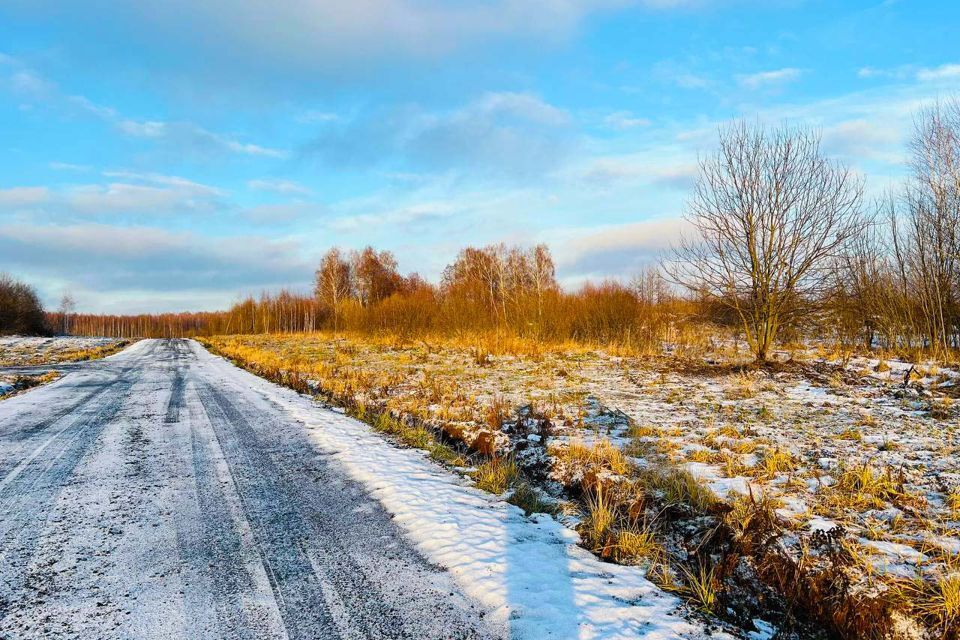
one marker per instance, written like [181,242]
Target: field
[24,352]
[818,495]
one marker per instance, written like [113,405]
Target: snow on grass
[29,350]
[528,572]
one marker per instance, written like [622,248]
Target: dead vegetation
[715,498]
[15,351]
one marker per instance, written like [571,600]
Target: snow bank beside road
[530,574]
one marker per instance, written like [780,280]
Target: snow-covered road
[142,496]
[164,493]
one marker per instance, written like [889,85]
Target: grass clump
[601,455]
[596,529]
[496,475]
[528,499]
[774,462]
[851,434]
[637,543]
[446,454]
[700,587]
[936,602]
[680,487]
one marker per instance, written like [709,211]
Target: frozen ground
[26,362]
[165,493]
[865,452]
[21,351]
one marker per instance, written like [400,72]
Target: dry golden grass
[773,462]
[679,487]
[596,528]
[496,475]
[602,455]
[453,386]
[936,602]
[638,543]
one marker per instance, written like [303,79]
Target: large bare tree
[770,212]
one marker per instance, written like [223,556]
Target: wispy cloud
[28,85]
[943,72]
[402,216]
[284,187]
[142,195]
[21,197]
[150,258]
[502,134]
[189,135]
[623,120]
[774,78]
[313,117]
[618,250]
[69,166]
[325,35]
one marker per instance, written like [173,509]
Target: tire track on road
[27,497]
[277,526]
[213,543]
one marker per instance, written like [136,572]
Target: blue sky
[170,156]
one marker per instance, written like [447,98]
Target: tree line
[783,247]
[20,309]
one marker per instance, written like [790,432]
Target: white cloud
[176,182]
[132,262]
[421,212]
[312,117]
[285,187]
[943,72]
[142,195]
[312,33]
[194,137]
[896,73]
[279,213]
[28,85]
[691,81]
[505,134]
[21,197]
[616,250]
[863,139]
[643,168]
[623,120]
[521,105]
[777,77]
[130,199]
[69,166]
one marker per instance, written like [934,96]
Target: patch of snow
[710,475]
[765,630]
[821,524]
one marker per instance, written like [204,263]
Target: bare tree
[925,223]
[375,275]
[770,212]
[334,283]
[67,307]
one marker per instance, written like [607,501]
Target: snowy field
[528,573]
[19,351]
[23,351]
[854,463]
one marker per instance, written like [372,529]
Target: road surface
[145,496]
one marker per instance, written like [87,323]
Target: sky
[177,155]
